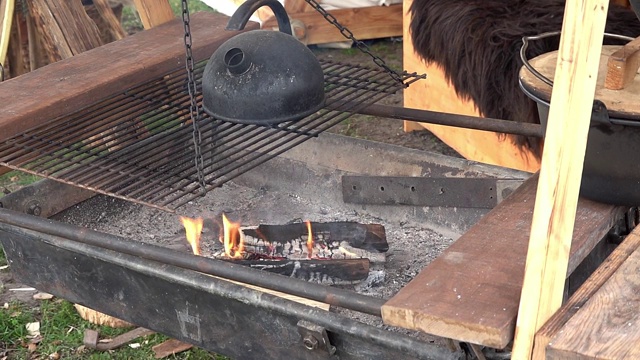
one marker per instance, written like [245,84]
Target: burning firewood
[330,253]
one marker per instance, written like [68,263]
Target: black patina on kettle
[262,77]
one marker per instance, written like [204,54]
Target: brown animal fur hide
[477,43]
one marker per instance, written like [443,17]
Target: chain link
[359,44]
[194,109]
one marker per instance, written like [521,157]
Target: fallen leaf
[54,356]
[134,345]
[42,296]
[32,347]
[33,328]
[80,349]
[56,342]
[5,306]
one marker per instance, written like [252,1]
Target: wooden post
[154,12]
[561,171]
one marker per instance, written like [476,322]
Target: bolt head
[310,342]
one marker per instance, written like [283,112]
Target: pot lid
[623,103]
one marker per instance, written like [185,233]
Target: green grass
[62,330]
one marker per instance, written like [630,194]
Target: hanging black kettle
[262,77]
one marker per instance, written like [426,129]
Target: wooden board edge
[584,293]
[465,332]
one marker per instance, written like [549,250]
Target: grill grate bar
[137,145]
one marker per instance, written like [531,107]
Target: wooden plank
[73,83]
[437,94]
[365,23]
[622,66]
[561,169]
[471,292]
[608,325]
[154,12]
[584,293]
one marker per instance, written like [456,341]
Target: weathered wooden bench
[472,291]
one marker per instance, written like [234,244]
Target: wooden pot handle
[623,66]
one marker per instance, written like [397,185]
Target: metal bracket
[314,337]
[427,191]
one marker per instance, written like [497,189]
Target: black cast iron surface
[137,145]
[191,306]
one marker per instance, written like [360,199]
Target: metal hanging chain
[194,109]
[359,44]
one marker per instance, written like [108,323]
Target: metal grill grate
[138,145]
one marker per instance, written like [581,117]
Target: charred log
[327,272]
[334,240]
[477,43]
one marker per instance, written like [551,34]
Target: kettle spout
[236,61]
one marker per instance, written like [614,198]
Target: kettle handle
[241,16]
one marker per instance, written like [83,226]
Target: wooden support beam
[154,12]
[584,293]
[561,169]
[607,327]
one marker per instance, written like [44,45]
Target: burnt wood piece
[328,272]
[371,237]
[77,82]
[578,300]
[472,291]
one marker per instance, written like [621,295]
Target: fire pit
[136,274]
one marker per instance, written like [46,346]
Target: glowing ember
[348,253]
[309,239]
[193,229]
[232,239]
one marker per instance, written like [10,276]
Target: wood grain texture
[74,83]
[561,169]
[613,330]
[66,28]
[620,102]
[154,12]
[622,66]
[365,23]
[584,293]
[471,292]
[109,23]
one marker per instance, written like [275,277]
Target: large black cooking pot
[262,77]
[611,168]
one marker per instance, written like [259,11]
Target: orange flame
[309,239]
[193,229]
[232,238]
